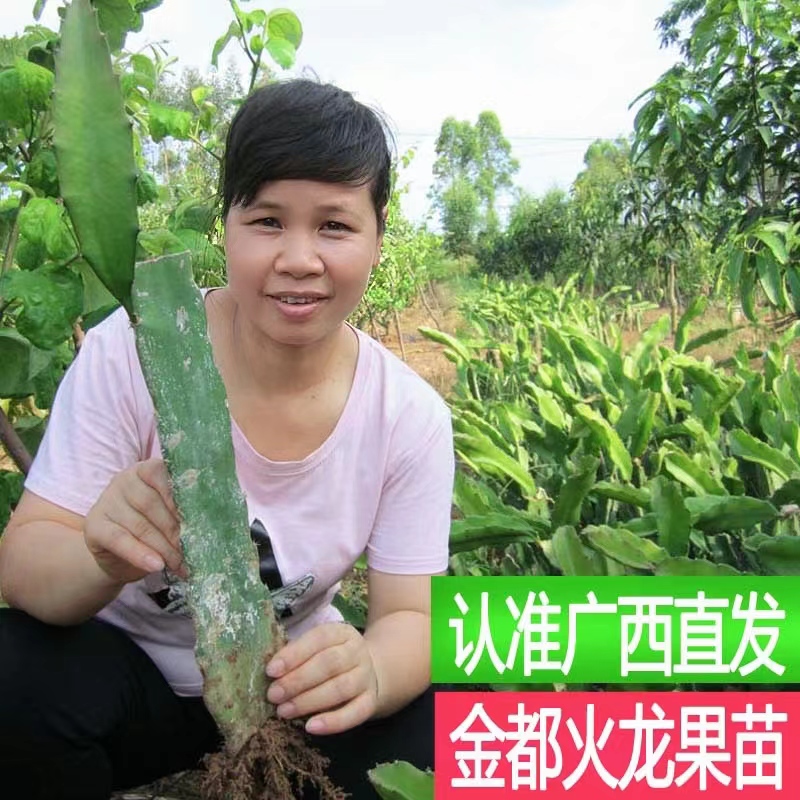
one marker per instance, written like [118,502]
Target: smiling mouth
[296,300]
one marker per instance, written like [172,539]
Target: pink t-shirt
[381,484]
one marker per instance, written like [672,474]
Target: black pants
[83,711]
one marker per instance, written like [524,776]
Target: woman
[340,449]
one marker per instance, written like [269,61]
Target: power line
[429,135]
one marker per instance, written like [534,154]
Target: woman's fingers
[134,528]
[327,672]
[359,710]
[118,542]
[150,529]
[331,693]
[154,473]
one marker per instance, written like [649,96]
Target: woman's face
[300,256]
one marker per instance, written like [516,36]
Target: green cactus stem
[236,627]
[94,151]
[235,623]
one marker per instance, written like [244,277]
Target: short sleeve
[412,527]
[98,423]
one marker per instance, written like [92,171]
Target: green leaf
[284,24]
[708,337]
[495,529]
[681,467]
[30,430]
[28,254]
[282,51]
[625,547]
[696,309]
[38,8]
[484,455]
[714,514]
[766,134]
[645,423]
[569,554]
[41,173]
[146,189]
[769,276]
[256,44]
[42,223]
[354,614]
[793,279]
[166,121]
[24,91]
[568,505]
[774,243]
[13,109]
[45,383]
[401,781]
[780,555]
[694,568]
[15,356]
[94,149]
[455,349]
[623,493]
[206,257]
[549,407]
[788,494]
[747,290]
[116,18]
[145,71]
[221,43]
[36,84]
[52,301]
[11,484]
[749,448]
[95,295]
[672,517]
[608,437]
[200,94]
[98,315]
[160,242]
[197,215]
[146,5]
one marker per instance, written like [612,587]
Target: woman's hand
[328,673]
[133,529]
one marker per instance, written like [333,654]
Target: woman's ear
[384,219]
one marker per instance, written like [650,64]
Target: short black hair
[305,130]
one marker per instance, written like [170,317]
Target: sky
[558,73]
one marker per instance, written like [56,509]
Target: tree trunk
[13,444]
[399,335]
[672,291]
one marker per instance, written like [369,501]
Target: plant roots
[276,763]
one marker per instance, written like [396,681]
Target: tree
[538,241]
[473,165]
[723,127]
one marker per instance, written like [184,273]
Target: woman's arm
[63,568]
[398,636]
[46,568]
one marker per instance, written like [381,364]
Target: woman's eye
[333,225]
[267,222]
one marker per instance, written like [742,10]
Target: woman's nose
[298,255]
